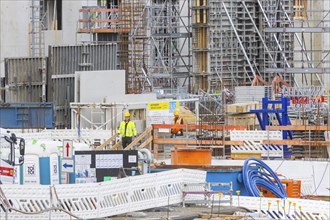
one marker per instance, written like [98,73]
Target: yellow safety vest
[129,127]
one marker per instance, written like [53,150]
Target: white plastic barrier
[98,200]
[238,135]
[87,136]
[283,208]
[251,140]
[255,147]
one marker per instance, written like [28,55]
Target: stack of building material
[239,114]
[252,93]
[187,115]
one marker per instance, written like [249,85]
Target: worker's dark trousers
[126,141]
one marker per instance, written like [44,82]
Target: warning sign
[154,106]
[161,112]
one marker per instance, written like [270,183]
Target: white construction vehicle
[8,158]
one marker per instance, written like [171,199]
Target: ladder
[36,30]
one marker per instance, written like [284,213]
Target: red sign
[5,171]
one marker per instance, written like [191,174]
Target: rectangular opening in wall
[59,14]
[52,18]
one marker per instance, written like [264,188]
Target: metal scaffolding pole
[239,40]
[276,40]
[259,34]
[301,45]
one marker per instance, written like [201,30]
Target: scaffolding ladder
[36,28]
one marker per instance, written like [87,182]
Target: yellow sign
[158,106]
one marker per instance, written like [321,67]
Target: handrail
[104,144]
[299,127]
[99,10]
[139,138]
[297,142]
[117,146]
[102,20]
[201,126]
[191,127]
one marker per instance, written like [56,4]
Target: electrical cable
[257,173]
[316,188]
[279,166]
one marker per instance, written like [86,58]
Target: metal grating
[24,79]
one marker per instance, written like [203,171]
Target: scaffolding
[168,41]
[131,45]
[289,31]
[153,40]
[224,45]
[237,41]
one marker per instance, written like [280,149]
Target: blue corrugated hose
[254,175]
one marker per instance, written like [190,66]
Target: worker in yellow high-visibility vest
[127,130]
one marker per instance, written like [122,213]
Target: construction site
[165,109]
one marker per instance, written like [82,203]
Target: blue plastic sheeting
[22,115]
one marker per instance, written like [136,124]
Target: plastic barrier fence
[255,147]
[87,136]
[252,143]
[283,208]
[97,200]
[255,135]
[89,201]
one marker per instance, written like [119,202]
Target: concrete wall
[106,86]
[97,86]
[14,30]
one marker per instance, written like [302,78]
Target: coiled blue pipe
[254,175]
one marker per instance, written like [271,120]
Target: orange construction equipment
[190,156]
[292,188]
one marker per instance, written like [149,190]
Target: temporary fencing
[96,200]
